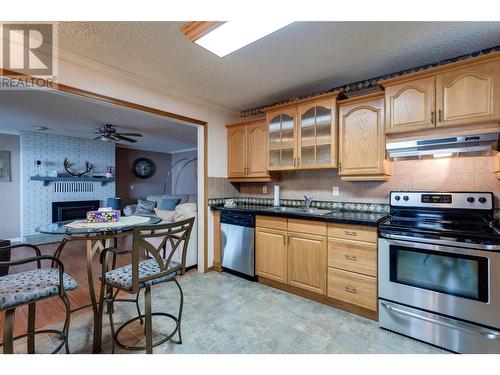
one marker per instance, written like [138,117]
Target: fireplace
[62,211]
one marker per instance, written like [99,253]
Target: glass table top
[62,227]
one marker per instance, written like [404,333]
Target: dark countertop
[336,216]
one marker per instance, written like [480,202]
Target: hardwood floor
[74,259]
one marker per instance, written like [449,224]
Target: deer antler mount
[67,166]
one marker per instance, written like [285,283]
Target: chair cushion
[122,277]
[145,207]
[30,286]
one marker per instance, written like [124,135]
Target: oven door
[453,281]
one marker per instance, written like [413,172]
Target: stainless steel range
[439,270]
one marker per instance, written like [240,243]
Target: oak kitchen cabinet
[307,254]
[292,252]
[271,251]
[247,152]
[352,264]
[303,135]
[462,93]
[362,139]
[271,254]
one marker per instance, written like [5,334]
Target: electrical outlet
[131,187]
[264,189]
[335,191]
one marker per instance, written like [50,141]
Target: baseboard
[193,267]
[373,315]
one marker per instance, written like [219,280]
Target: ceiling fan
[107,133]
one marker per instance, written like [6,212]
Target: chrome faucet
[308,200]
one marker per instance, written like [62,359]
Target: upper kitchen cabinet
[317,135]
[362,139]
[468,95]
[247,152]
[303,135]
[458,94]
[237,151]
[282,145]
[410,105]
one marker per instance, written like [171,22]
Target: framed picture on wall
[4,166]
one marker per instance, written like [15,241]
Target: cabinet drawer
[307,227]
[353,232]
[355,256]
[271,222]
[353,288]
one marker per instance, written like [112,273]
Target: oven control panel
[461,200]
[436,198]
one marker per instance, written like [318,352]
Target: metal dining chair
[29,287]
[142,275]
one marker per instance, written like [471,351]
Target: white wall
[185,173]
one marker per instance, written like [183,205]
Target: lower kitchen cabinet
[354,256]
[352,265]
[307,262]
[335,264]
[271,254]
[353,288]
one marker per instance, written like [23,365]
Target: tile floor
[226,314]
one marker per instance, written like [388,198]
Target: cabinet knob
[351,257]
[350,233]
[432,117]
[440,116]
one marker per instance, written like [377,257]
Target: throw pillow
[145,207]
[168,204]
[167,216]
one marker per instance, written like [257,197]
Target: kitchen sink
[301,210]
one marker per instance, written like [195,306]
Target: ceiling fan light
[105,138]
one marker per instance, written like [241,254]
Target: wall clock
[143,168]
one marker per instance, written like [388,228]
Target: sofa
[184,198]
[185,209]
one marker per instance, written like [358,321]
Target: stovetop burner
[458,217]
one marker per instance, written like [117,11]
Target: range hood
[476,143]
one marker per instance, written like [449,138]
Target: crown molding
[96,66]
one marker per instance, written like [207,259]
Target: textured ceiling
[300,59]
[65,114]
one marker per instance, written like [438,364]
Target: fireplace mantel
[46,180]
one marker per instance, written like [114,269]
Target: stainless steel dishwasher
[238,242]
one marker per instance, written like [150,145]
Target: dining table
[98,236]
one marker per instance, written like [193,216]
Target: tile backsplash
[220,187]
[447,174]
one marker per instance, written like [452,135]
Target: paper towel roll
[276,195]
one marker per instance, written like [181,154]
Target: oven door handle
[490,335]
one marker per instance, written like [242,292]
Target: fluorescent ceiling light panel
[233,35]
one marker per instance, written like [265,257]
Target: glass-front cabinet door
[282,152]
[316,131]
